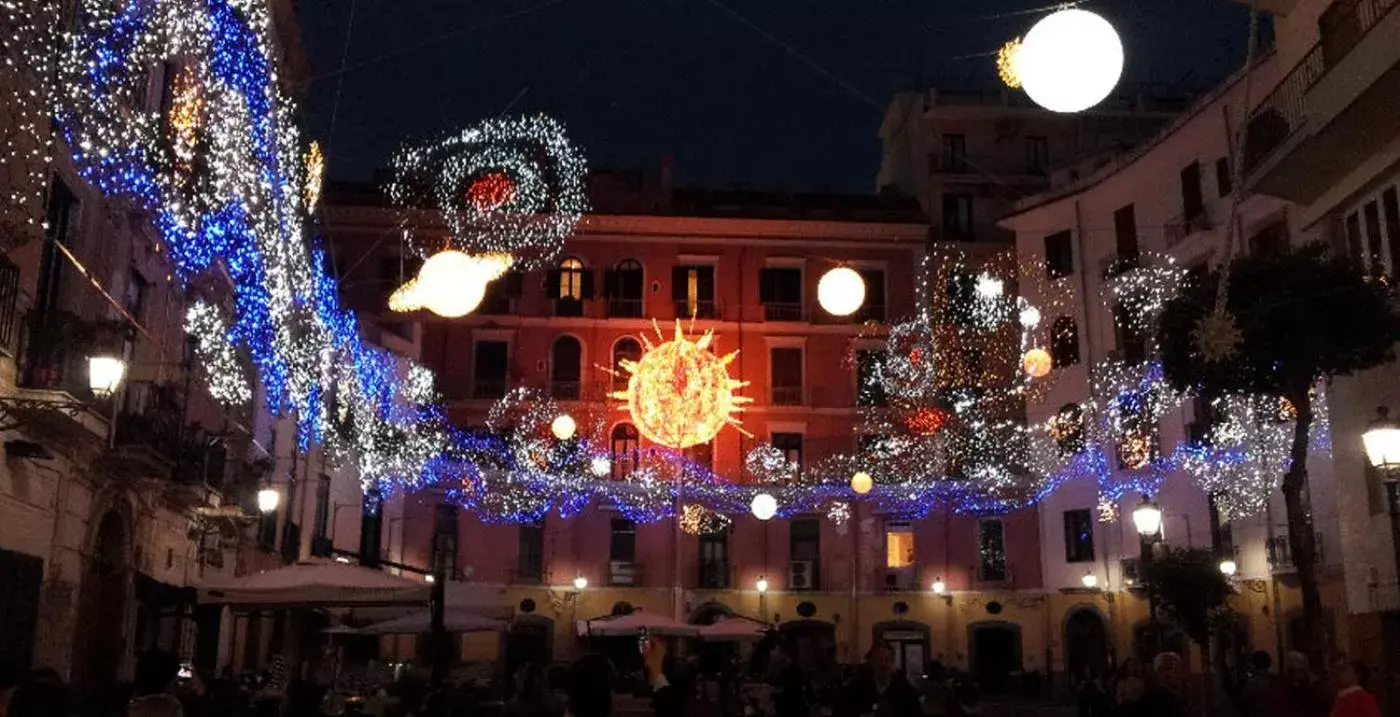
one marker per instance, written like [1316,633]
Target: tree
[1303,315]
[1189,588]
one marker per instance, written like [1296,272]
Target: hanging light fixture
[841,291]
[939,587]
[105,374]
[268,499]
[764,506]
[861,483]
[563,427]
[1147,518]
[1070,61]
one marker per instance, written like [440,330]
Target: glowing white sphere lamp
[762,584]
[600,465]
[429,578]
[1090,580]
[105,374]
[1070,61]
[764,506]
[841,291]
[451,284]
[939,587]
[563,427]
[1229,567]
[268,500]
[1147,518]
[580,582]
[1030,317]
[861,483]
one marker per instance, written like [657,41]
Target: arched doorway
[1086,644]
[911,643]
[98,641]
[994,653]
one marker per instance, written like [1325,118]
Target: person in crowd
[1164,696]
[10,676]
[1254,691]
[155,705]
[533,698]
[1353,698]
[791,693]
[1090,691]
[880,690]
[672,689]
[1298,692]
[590,687]
[40,694]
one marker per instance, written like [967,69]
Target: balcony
[1112,266]
[901,579]
[714,575]
[870,312]
[787,395]
[565,390]
[490,388]
[778,311]
[697,309]
[1182,227]
[1280,553]
[1330,116]
[1011,167]
[625,308]
[568,307]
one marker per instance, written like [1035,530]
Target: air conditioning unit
[621,572]
[800,575]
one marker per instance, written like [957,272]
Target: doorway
[995,654]
[98,643]
[1086,644]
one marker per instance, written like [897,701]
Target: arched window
[625,348]
[565,368]
[626,449]
[1064,342]
[624,288]
[570,279]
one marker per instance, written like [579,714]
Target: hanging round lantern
[861,483]
[1070,61]
[563,427]
[1037,363]
[841,291]
[764,506]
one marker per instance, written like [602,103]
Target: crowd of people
[675,687]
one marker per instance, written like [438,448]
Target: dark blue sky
[633,79]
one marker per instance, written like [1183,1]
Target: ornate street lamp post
[1382,442]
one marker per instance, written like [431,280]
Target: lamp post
[1147,518]
[762,586]
[1382,443]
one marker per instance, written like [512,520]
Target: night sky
[635,79]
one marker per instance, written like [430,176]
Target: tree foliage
[1190,590]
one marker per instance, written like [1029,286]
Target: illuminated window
[625,349]
[625,448]
[571,279]
[899,545]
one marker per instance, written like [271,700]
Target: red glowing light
[927,421]
[491,191]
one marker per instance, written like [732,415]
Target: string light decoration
[698,520]
[512,186]
[1006,63]
[906,370]
[838,512]
[680,394]
[1037,363]
[222,371]
[768,465]
[1142,289]
[315,177]
[186,117]
[30,48]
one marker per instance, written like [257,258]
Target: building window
[957,216]
[626,349]
[1132,340]
[991,550]
[714,559]
[1354,238]
[371,526]
[445,541]
[780,291]
[1223,180]
[1125,236]
[502,294]
[1391,204]
[791,446]
[955,153]
[874,307]
[899,556]
[693,291]
[1037,154]
[624,288]
[1222,538]
[1079,536]
[1193,203]
[870,389]
[61,227]
[804,549]
[701,455]
[1064,342]
[1374,261]
[785,365]
[530,567]
[625,450]
[570,284]
[565,369]
[322,520]
[1059,254]
[622,547]
[490,368]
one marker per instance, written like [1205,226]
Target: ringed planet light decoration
[861,483]
[764,506]
[680,394]
[841,291]
[1070,61]
[1007,61]
[563,427]
[1037,363]
[450,283]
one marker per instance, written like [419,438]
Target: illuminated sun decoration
[680,393]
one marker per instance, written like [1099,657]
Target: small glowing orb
[764,506]
[1037,362]
[1070,61]
[680,394]
[491,191]
[1229,567]
[600,465]
[563,427]
[841,291]
[861,483]
[1030,317]
[1007,57]
[990,287]
[268,499]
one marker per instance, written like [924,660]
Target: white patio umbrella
[421,623]
[735,629]
[316,582]
[638,623]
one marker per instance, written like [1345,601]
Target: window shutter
[587,284]
[515,284]
[678,277]
[767,286]
[551,283]
[705,284]
[609,283]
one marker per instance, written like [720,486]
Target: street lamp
[1229,567]
[939,587]
[1090,580]
[1382,442]
[762,586]
[1147,518]
[268,499]
[105,374]
[580,582]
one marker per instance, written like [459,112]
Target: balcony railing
[1283,112]
[698,309]
[568,307]
[780,311]
[490,388]
[787,395]
[625,308]
[55,352]
[565,390]
[1114,265]
[528,575]
[714,574]
[870,312]
[1181,226]
[1281,553]
[9,304]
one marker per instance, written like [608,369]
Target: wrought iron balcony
[1281,553]
[714,575]
[699,309]
[625,308]
[490,388]
[565,390]
[781,311]
[787,395]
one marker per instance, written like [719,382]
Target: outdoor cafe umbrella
[735,629]
[316,582]
[637,623]
[421,623]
